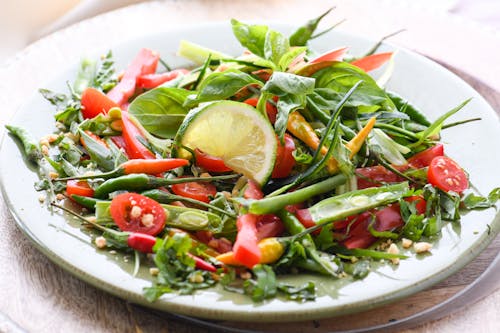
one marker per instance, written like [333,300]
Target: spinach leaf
[275,46]
[160,111]
[221,85]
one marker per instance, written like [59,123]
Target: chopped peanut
[422,247]
[135,212]
[393,249]
[100,242]
[406,243]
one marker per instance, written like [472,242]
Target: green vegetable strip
[274,204]
[176,217]
[30,145]
[355,202]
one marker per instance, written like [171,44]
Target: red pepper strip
[95,102]
[152,167]
[209,162]
[97,138]
[202,264]
[246,249]
[134,147]
[373,61]
[332,55]
[424,158]
[141,242]
[144,63]
[150,81]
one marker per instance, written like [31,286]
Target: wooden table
[41,297]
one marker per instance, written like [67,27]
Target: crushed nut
[41,198]
[154,271]
[100,242]
[422,247]
[393,249]
[147,220]
[406,243]
[45,150]
[135,212]
[245,275]
[196,278]
[59,196]
[53,175]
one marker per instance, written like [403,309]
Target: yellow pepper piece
[271,250]
[300,128]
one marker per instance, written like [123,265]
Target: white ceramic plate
[428,85]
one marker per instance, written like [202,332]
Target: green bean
[141,182]
[86,202]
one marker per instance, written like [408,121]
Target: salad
[242,168]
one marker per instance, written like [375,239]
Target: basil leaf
[288,57]
[160,111]
[281,84]
[251,37]
[221,85]
[275,46]
[342,76]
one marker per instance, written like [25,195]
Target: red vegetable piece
[253,191]
[388,218]
[133,147]
[141,242]
[424,158]
[269,225]
[284,158]
[153,167]
[246,249]
[447,175]
[271,110]
[374,176]
[136,213]
[150,81]
[332,55]
[209,162]
[144,63]
[97,138]
[79,187]
[373,61]
[95,102]
[420,203]
[202,191]
[202,264]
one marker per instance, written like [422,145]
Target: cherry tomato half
[209,162]
[424,158]
[79,187]
[133,212]
[195,190]
[284,158]
[447,175]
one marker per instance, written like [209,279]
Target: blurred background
[24,21]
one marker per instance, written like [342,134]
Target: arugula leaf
[105,78]
[435,127]
[303,34]
[306,292]
[160,111]
[264,286]
[67,107]
[472,201]
[221,85]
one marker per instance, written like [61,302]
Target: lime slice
[233,131]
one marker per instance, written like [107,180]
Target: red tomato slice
[133,147]
[150,81]
[374,176]
[202,191]
[424,158]
[447,175]
[79,187]
[209,162]
[95,102]
[284,158]
[373,61]
[133,212]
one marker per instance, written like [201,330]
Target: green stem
[274,204]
